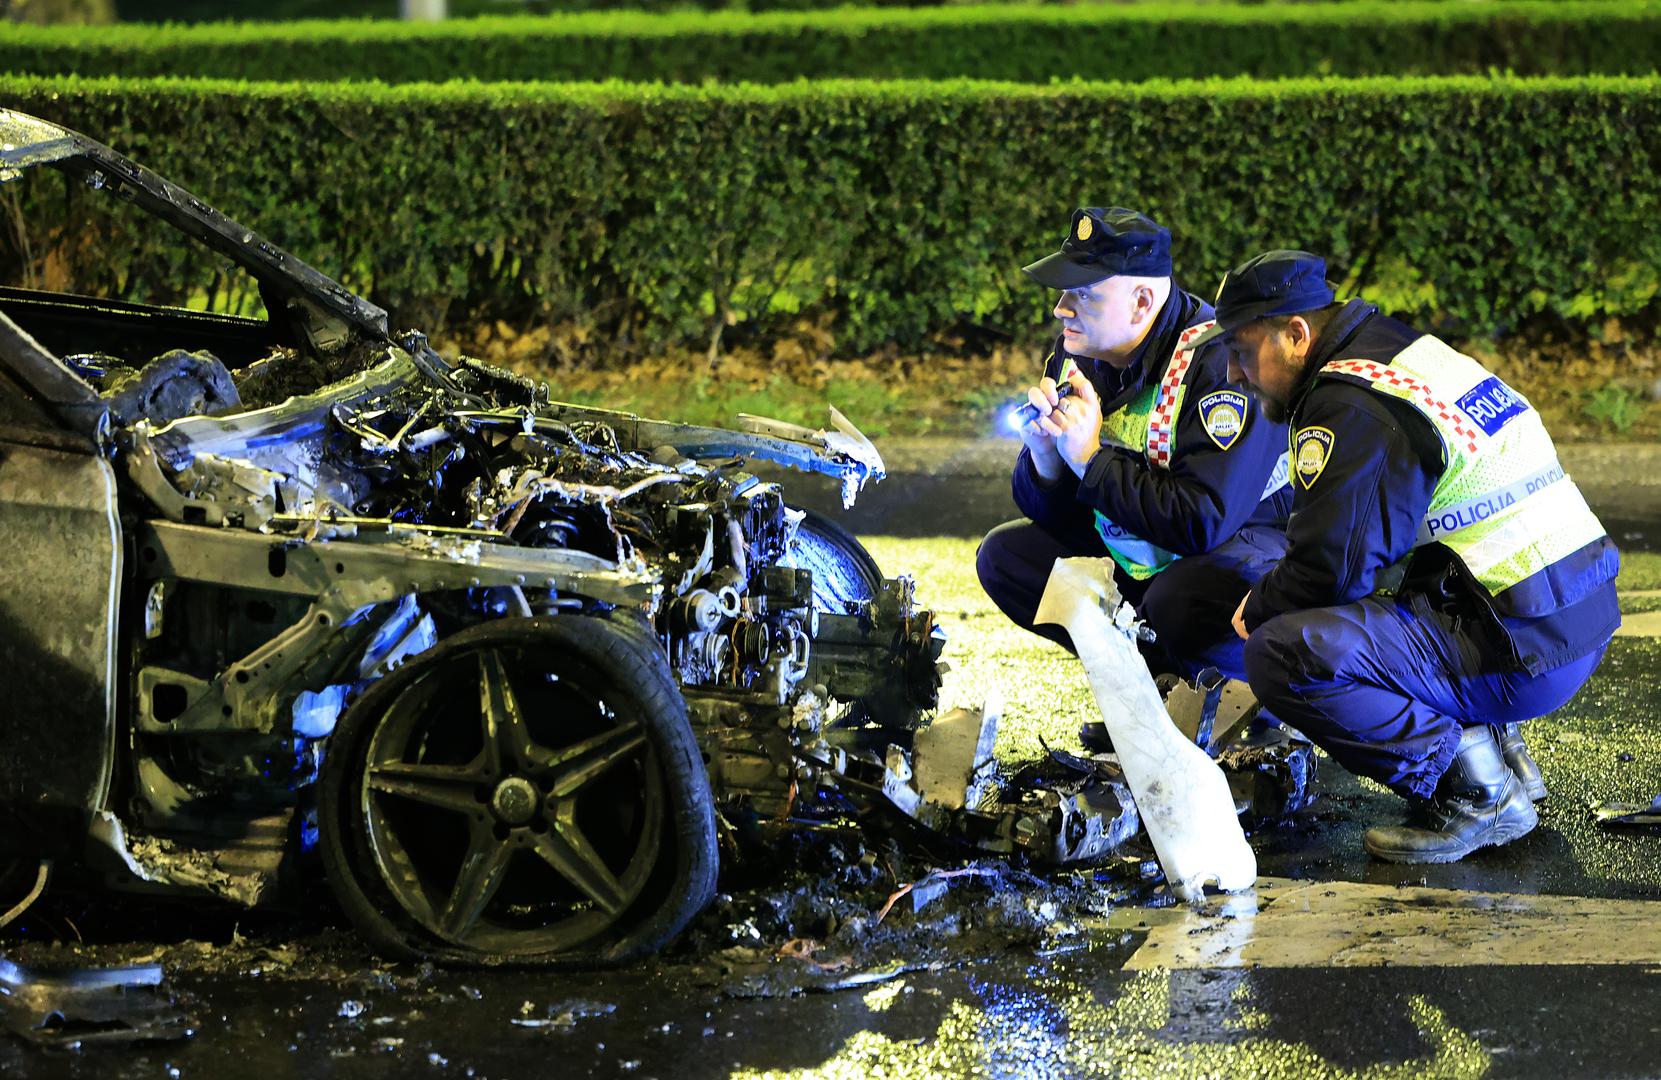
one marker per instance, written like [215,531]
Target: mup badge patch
[1224,416]
[1312,447]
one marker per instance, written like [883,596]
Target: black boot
[1479,801]
[1093,736]
[1517,756]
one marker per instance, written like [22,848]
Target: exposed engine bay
[753,642]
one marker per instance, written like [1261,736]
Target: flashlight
[1026,414]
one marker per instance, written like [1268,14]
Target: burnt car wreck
[510,664]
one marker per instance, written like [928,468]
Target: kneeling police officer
[1445,578]
[1153,458]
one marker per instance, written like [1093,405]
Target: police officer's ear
[1145,302]
[1299,335]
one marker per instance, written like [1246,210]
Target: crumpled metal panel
[75,1007]
[59,585]
[843,453]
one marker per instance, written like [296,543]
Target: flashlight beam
[1027,413]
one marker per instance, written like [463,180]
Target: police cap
[1273,283]
[1102,243]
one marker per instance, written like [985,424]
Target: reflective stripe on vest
[1147,424]
[1438,526]
[1503,504]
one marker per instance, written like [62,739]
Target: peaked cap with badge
[1102,243]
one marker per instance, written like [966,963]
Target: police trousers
[1189,605]
[1386,685]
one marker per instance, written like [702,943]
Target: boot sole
[1498,836]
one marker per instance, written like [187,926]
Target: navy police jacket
[1362,516]
[1208,492]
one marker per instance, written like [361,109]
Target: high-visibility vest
[1147,425]
[1503,506]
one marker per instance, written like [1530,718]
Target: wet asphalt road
[1069,1006]
[1077,1014]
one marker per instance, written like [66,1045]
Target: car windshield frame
[28,142]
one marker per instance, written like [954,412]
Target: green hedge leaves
[1020,43]
[883,212]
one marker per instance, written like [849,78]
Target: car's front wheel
[844,572]
[529,790]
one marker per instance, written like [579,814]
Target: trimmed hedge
[1027,44]
[886,212]
[218,11]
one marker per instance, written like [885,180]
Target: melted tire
[681,878]
[844,573]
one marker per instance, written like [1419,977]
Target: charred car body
[271,578]
[508,663]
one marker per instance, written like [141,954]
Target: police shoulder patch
[1311,446]
[1223,414]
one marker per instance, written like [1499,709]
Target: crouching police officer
[1445,579]
[1153,458]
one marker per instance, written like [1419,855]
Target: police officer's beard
[1274,409]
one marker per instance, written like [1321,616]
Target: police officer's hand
[1046,459]
[1240,618]
[1076,424]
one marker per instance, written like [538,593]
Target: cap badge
[1313,446]
[1084,228]
[1224,416]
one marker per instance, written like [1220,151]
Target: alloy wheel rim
[462,842]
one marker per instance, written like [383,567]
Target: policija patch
[1224,416]
[1312,447]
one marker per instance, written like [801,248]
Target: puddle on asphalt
[1073,1020]
[1282,923]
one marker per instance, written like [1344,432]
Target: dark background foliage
[885,212]
[1036,43]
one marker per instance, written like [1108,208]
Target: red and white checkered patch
[1389,376]
[1162,421]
